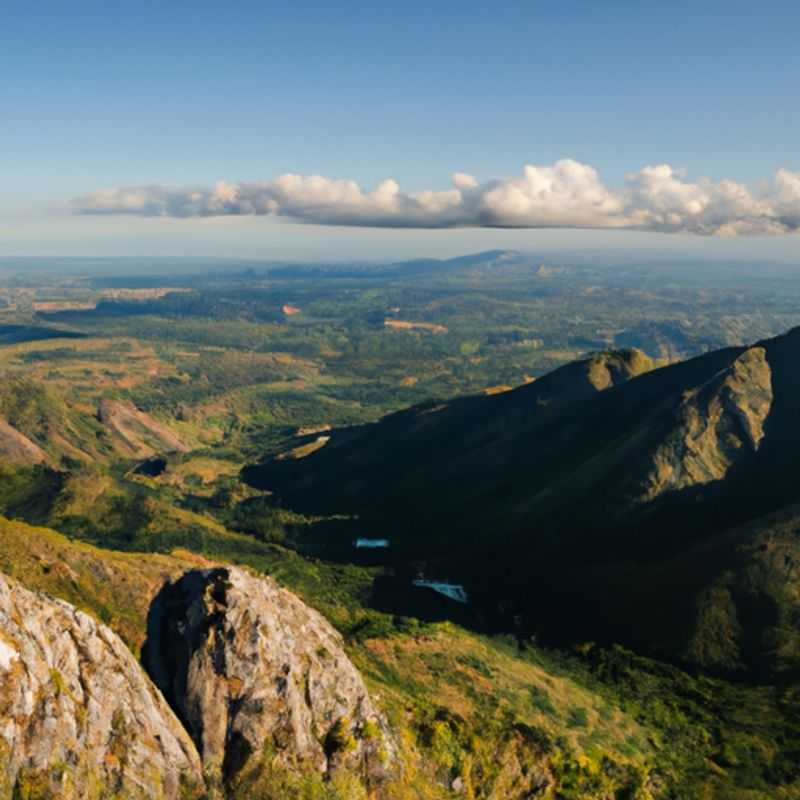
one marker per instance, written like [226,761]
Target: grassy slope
[114,587]
[475,708]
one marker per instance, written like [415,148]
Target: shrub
[540,700]
[339,738]
[578,717]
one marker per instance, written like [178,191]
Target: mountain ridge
[573,501]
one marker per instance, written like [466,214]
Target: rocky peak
[254,672]
[607,369]
[78,716]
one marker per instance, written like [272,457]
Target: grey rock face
[255,673]
[717,425]
[78,716]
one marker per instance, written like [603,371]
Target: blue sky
[187,94]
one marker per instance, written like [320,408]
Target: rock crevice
[254,673]
[256,678]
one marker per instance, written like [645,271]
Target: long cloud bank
[567,194]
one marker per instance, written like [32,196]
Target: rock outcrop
[79,718]
[607,369]
[717,424]
[256,674]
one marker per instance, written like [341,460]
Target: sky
[309,130]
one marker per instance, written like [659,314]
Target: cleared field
[408,325]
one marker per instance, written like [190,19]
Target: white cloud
[567,194]
[462,180]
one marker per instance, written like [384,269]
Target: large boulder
[257,676]
[79,718]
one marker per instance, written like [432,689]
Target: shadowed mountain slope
[605,501]
[433,448]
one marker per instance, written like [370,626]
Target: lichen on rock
[256,675]
[79,718]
